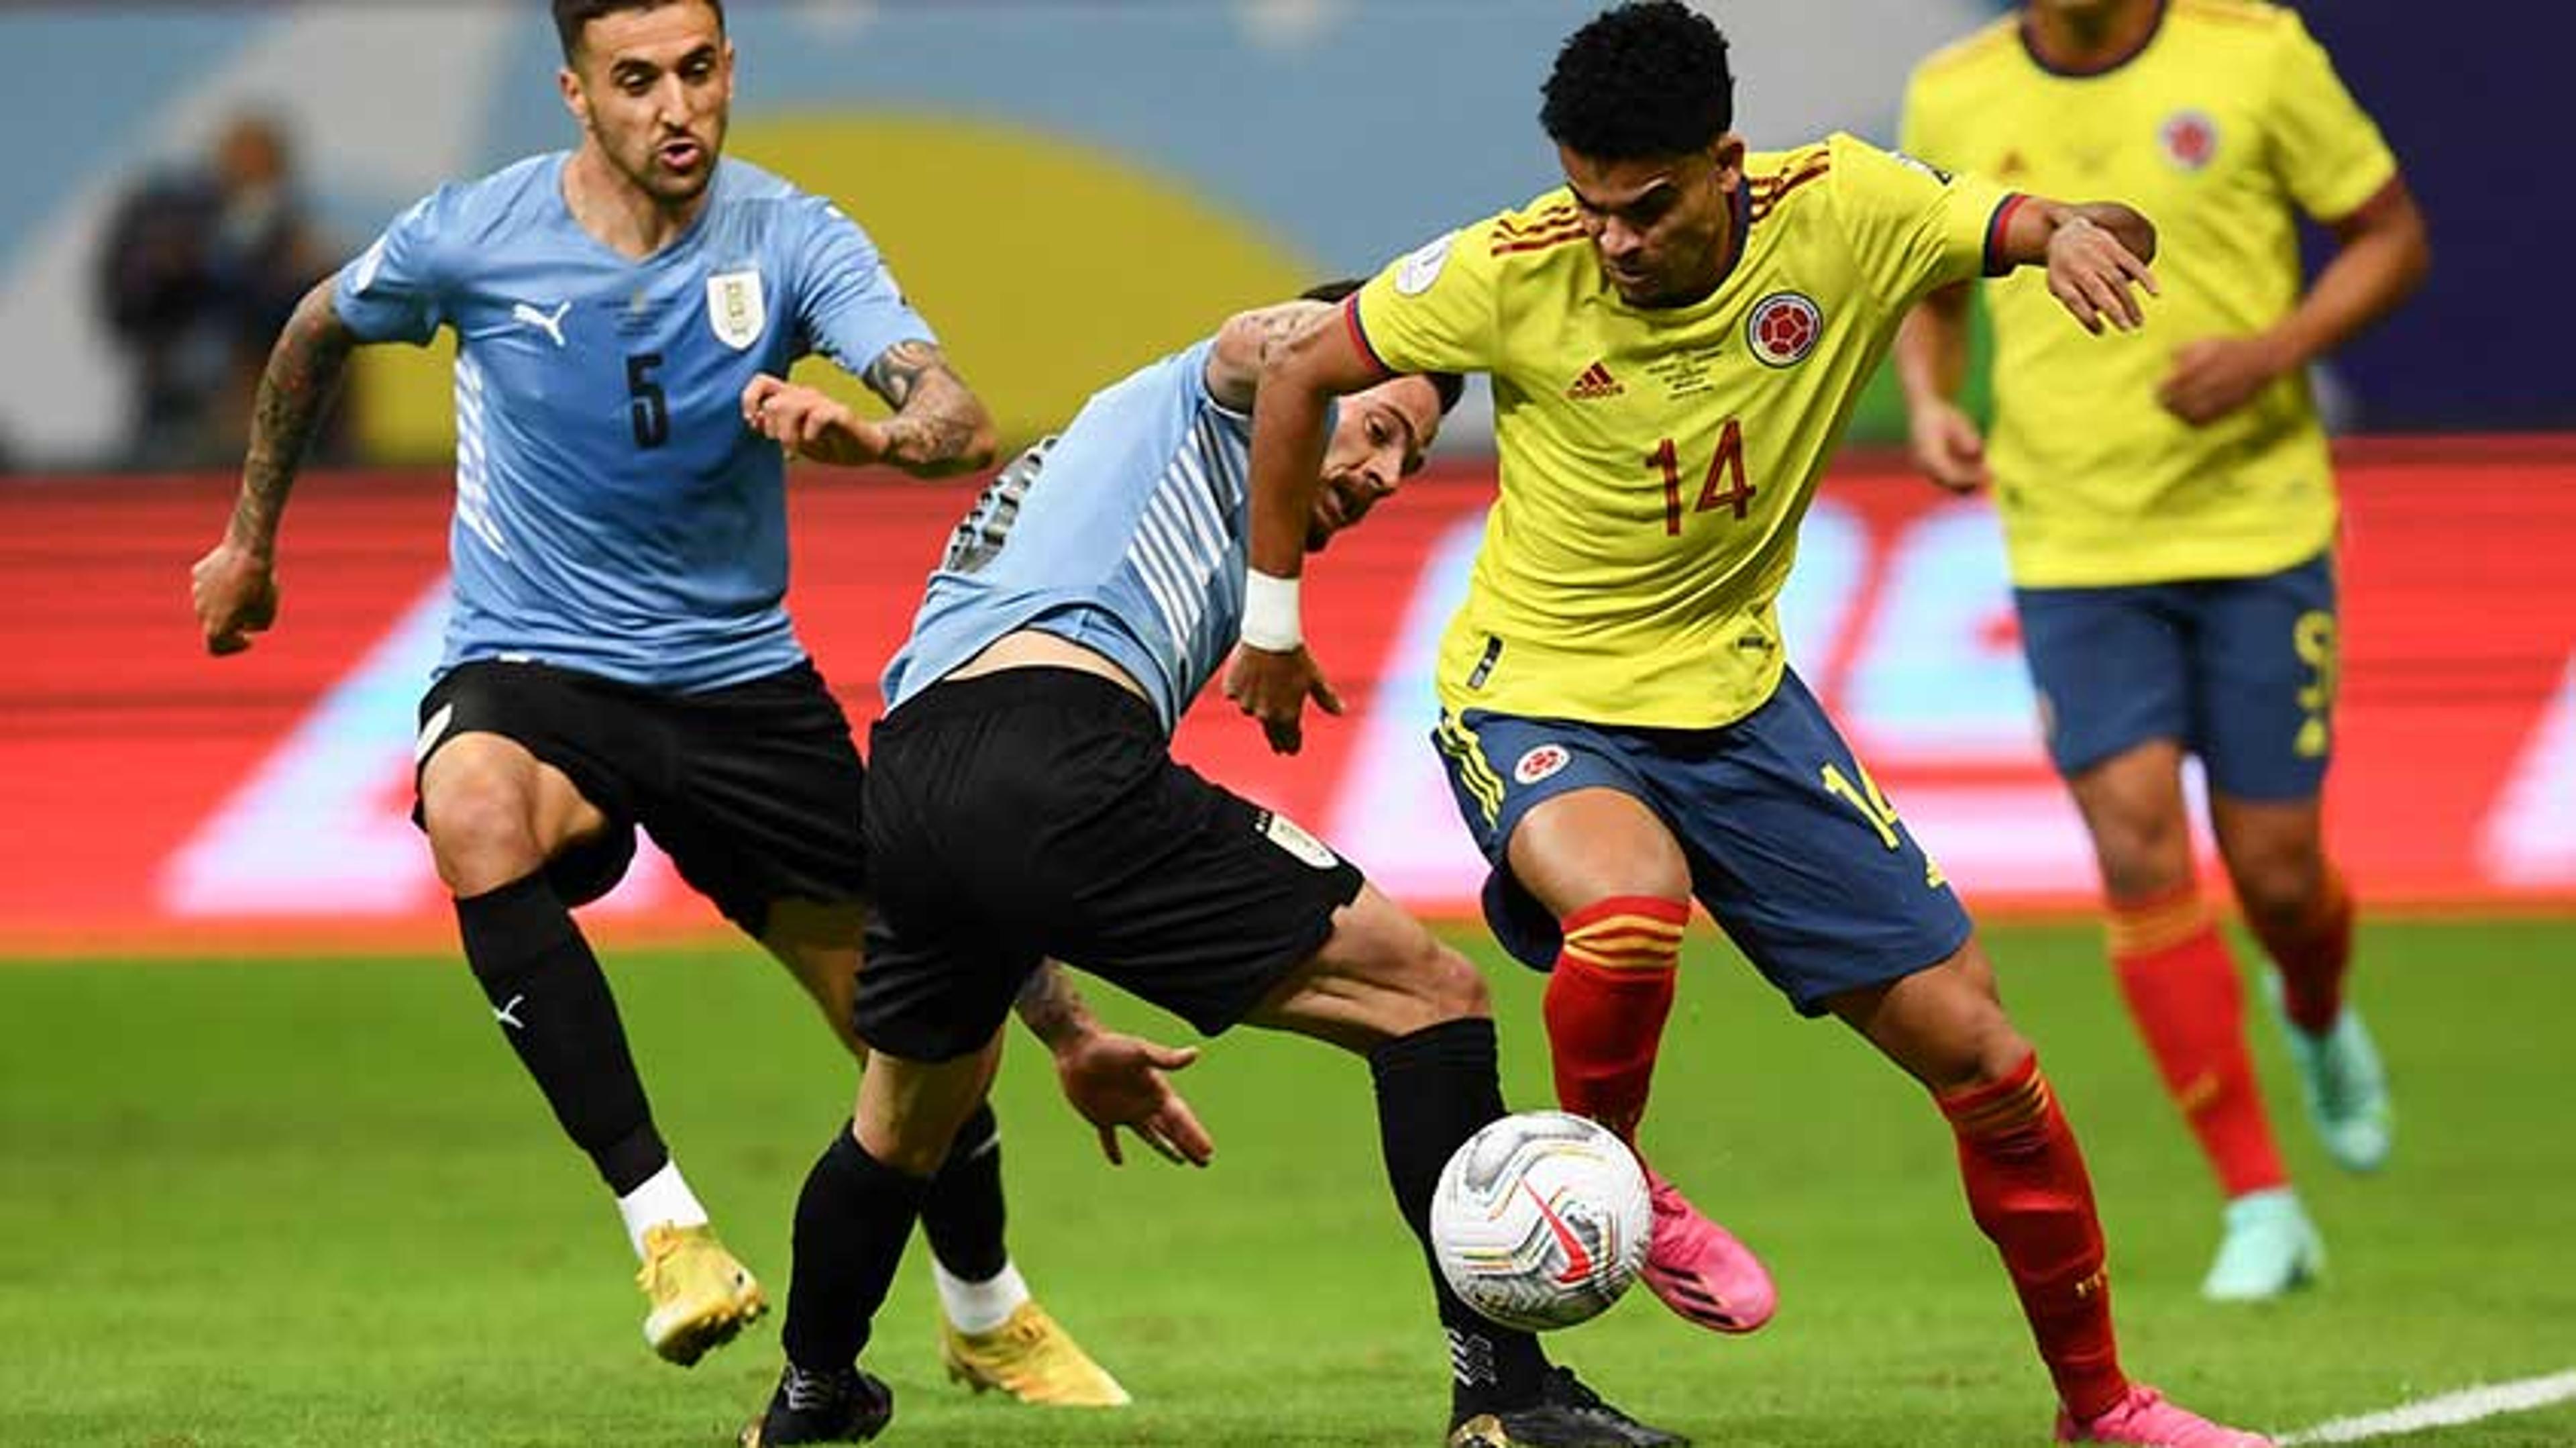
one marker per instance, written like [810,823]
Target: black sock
[1434,1089]
[554,1006]
[962,1216]
[852,1220]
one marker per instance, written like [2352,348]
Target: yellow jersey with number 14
[2226,124]
[1655,463]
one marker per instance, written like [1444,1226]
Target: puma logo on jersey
[551,325]
[1595,384]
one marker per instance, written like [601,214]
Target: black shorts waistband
[1033,686]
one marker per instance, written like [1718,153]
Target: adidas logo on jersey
[1595,384]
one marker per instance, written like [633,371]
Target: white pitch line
[2468,1405]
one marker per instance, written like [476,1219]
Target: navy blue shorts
[1792,849]
[2239,671]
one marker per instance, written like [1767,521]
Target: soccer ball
[1541,1220]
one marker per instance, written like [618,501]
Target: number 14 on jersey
[1725,486]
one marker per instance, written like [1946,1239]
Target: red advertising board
[154,797]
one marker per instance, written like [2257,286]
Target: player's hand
[235,591]
[2091,274]
[1947,447]
[1274,687]
[2217,375]
[806,423]
[1117,1080]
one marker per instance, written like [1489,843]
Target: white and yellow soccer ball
[1541,1220]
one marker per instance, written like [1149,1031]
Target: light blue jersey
[1124,534]
[614,514]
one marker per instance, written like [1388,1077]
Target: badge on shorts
[1285,833]
[735,307]
[1540,762]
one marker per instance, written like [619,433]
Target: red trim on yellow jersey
[1770,191]
[1359,334]
[1548,219]
[1541,241]
[1995,231]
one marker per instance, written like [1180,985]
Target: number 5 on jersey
[1737,494]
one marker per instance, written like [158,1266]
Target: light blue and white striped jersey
[614,514]
[1124,534]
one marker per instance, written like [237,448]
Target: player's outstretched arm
[1931,363]
[235,585]
[2096,252]
[1246,343]
[939,425]
[1272,676]
[2381,256]
[1113,1079]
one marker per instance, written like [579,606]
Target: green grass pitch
[315,1202]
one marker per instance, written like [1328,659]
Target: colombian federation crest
[1540,762]
[1783,328]
[736,310]
[2189,139]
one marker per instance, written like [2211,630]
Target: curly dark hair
[1648,78]
[571,16]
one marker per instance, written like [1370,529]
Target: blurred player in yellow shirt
[2170,513]
[1675,338]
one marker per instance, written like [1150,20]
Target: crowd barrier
[155,798]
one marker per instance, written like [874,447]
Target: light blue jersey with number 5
[613,512]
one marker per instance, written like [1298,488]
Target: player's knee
[2278,889]
[1450,988]
[2143,852]
[480,832]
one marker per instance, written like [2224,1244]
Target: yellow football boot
[701,1295]
[1032,1359]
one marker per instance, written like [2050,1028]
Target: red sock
[2313,956]
[2182,988]
[2027,1190]
[1606,1004]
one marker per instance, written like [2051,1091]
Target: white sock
[664,1197]
[980,1306]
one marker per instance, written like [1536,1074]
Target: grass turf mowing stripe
[2468,1405]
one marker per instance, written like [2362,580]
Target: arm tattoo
[1051,1008]
[939,426]
[304,371]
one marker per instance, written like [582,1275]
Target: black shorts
[1036,813]
[752,790]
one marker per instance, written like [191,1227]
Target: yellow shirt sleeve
[1435,308]
[2329,152]
[1912,228]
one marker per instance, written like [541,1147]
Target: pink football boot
[2145,1417]
[1699,1270]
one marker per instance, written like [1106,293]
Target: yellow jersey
[1655,463]
[2226,123]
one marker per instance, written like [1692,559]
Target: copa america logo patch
[1422,267]
[2189,139]
[1783,328]
[1540,762]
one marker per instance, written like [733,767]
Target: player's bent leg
[2298,905]
[2182,987]
[1612,874]
[993,1335]
[853,1217]
[2022,1172]
[495,816]
[1383,987]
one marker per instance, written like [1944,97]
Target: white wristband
[1270,612]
